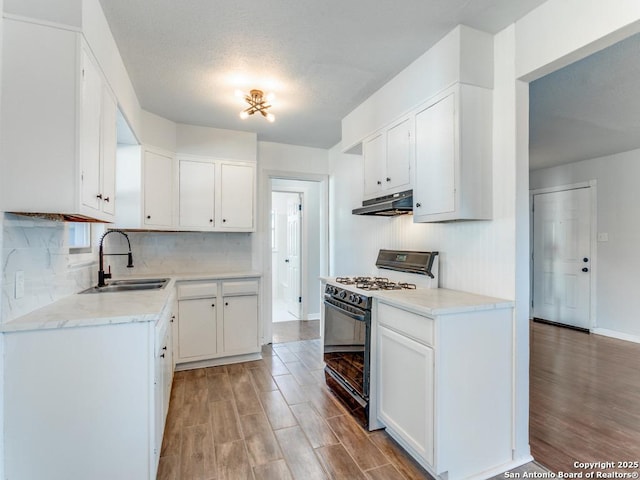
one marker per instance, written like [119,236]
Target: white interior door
[292,261]
[562,256]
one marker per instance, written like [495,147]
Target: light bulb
[244,115]
[239,93]
[271,97]
[270,117]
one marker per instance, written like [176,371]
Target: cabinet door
[109,141]
[89,131]
[197,323]
[406,390]
[435,182]
[398,163]
[196,197]
[237,186]
[240,324]
[157,177]
[374,158]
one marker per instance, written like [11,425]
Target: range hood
[387,206]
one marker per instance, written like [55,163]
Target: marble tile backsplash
[39,248]
[180,253]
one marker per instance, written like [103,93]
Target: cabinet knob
[418,205]
[211,220]
[226,304]
[164,348]
[99,196]
[388,179]
[224,220]
[148,217]
[213,304]
[173,317]
[379,182]
[585,259]
[106,199]
[585,269]
[162,356]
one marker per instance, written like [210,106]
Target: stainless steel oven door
[347,345]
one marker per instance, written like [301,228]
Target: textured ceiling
[321,58]
[588,109]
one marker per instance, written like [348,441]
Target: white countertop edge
[414,307]
[84,310]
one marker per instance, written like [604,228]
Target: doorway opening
[296,256]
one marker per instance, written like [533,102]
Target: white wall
[551,36]
[277,160]
[618,214]
[66,12]
[158,132]
[216,142]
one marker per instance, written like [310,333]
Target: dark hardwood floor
[272,419]
[585,398]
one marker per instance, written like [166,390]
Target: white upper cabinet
[399,155]
[197,194]
[374,155]
[237,197]
[58,118]
[216,195]
[387,158]
[144,186]
[453,156]
[158,176]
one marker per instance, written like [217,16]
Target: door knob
[585,269]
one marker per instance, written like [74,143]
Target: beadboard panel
[475,256]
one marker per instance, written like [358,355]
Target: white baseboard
[615,334]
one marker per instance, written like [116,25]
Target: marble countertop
[82,310]
[440,301]
[432,301]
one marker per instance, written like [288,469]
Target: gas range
[347,322]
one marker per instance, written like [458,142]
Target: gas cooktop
[375,283]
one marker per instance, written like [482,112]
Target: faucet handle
[108,274]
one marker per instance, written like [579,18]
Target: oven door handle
[360,317]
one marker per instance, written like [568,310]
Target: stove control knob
[343,294]
[330,289]
[353,298]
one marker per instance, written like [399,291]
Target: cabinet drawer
[415,326]
[197,290]
[246,287]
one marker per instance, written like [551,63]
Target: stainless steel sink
[130,285]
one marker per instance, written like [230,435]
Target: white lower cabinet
[217,320]
[443,387]
[86,402]
[404,362]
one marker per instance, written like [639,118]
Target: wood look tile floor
[295,330]
[272,419]
[585,398]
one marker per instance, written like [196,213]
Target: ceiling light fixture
[257,103]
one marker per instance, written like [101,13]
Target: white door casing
[562,256]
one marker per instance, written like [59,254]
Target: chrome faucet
[102,276]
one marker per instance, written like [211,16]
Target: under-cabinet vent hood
[387,206]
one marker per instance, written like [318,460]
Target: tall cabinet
[59,125]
